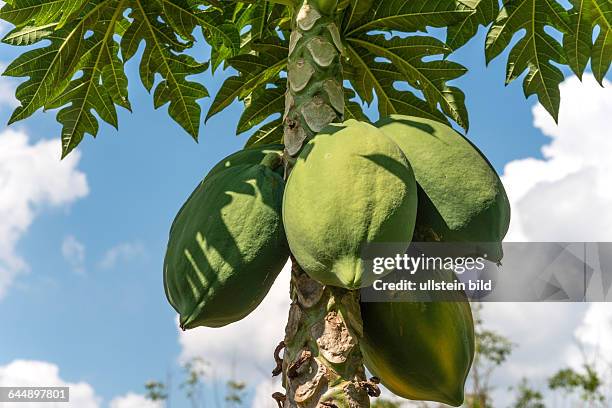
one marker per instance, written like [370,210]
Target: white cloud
[248,344]
[30,373]
[31,178]
[27,373]
[595,338]
[566,196]
[263,393]
[3,25]
[563,197]
[543,343]
[131,400]
[123,252]
[73,252]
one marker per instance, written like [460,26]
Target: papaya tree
[316,182]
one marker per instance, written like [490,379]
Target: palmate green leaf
[163,55]
[261,105]
[409,57]
[485,13]
[263,18]
[29,35]
[601,56]
[40,12]
[184,16]
[366,77]
[356,11]
[103,83]
[353,109]
[258,21]
[578,41]
[270,133]
[255,72]
[247,36]
[50,68]
[535,51]
[100,86]
[409,16]
[263,57]
[46,68]
[406,64]
[80,69]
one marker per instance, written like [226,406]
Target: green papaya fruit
[351,187]
[326,7]
[419,350]
[251,155]
[226,245]
[461,198]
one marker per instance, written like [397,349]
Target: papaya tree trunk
[322,362]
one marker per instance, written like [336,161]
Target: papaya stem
[315,94]
[322,365]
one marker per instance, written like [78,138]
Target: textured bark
[322,362]
[315,94]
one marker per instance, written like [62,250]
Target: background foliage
[585,386]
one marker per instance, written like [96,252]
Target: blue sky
[97,309]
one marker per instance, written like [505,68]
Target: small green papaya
[419,350]
[461,198]
[251,155]
[326,7]
[226,245]
[351,187]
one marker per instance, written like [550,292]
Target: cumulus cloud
[3,26]
[264,391]
[31,373]
[566,195]
[131,400]
[542,345]
[594,335]
[123,252]
[247,344]
[73,252]
[28,373]
[31,178]
[563,197]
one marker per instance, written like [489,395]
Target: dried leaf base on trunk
[315,96]
[322,363]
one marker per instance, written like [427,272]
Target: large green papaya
[351,187]
[419,350]
[461,198]
[227,244]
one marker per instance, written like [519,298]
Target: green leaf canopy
[77,50]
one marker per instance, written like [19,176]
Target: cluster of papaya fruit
[354,184]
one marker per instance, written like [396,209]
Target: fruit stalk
[322,365]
